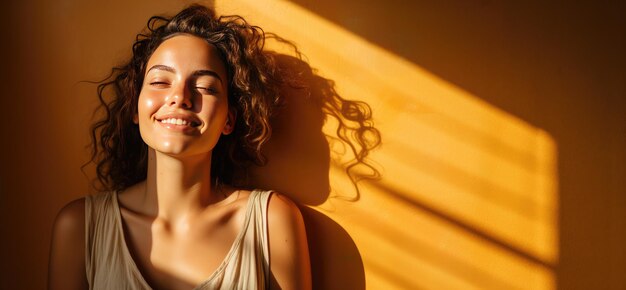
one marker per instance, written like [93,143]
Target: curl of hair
[119,152]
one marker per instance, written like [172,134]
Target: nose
[180,96]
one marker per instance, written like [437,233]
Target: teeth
[174,121]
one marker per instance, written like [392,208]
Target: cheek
[145,107]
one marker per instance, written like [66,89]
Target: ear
[230,122]
[135,119]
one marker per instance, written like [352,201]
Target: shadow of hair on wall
[299,160]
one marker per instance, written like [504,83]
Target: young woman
[188,113]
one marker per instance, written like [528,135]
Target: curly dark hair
[253,93]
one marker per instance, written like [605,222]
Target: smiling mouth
[180,122]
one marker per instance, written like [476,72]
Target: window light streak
[423,237]
[485,169]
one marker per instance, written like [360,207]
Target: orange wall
[503,134]
[558,68]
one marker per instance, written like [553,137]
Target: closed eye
[208,90]
[159,84]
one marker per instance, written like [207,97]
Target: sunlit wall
[467,197]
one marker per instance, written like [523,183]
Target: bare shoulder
[71,217]
[289,253]
[66,269]
[284,216]
[282,209]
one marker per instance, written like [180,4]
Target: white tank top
[110,266]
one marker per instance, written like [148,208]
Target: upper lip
[193,120]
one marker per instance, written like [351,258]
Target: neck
[178,186]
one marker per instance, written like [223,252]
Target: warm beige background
[504,136]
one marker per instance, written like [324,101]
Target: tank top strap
[95,221]
[260,204]
[99,223]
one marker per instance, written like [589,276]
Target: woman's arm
[66,268]
[289,252]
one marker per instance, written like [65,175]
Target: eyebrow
[203,72]
[206,72]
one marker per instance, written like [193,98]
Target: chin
[178,150]
[169,148]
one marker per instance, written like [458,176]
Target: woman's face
[183,104]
